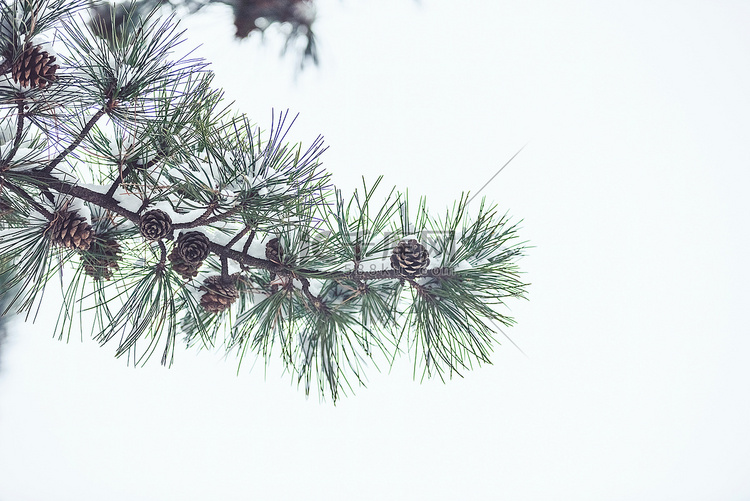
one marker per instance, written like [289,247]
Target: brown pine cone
[274,252]
[185,270]
[192,247]
[410,258]
[68,229]
[5,208]
[220,293]
[101,259]
[34,67]
[156,224]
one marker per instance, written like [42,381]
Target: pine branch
[80,137]
[30,200]
[238,236]
[19,130]
[165,154]
[44,180]
[204,219]
[129,167]
[248,242]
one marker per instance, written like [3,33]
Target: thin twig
[318,303]
[204,218]
[249,241]
[144,204]
[218,217]
[19,130]
[20,192]
[127,170]
[163,258]
[237,237]
[78,139]
[358,261]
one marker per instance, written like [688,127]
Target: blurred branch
[250,16]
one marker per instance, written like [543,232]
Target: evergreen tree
[162,213]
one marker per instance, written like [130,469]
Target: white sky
[633,190]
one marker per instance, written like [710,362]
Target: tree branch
[20,192]
[46,180]
[318,303]
[217,217]
[237,237]
[223,251]
[163,256]
[19,131]
[129,167]
[206,217]
[249,241]
[79,138]
[202,219]
[355,275]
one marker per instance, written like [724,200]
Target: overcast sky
[633,191]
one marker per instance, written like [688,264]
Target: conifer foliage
[164,214]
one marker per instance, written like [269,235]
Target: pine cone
[410,258]
[34,68]
[101,258]
[68,229]
[8,216]
[156,224]
[274,252]
[192,247]
[5,208]
[220,293]
[185,270]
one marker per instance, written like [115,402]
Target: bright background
[633,190]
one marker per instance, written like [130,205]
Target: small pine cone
[192,247]
[9,217]
[68,229]
[34,67]
[410,258]
[101,258]
[5,208]
[274,252]
[156,224]
[185,270]
[220,293]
